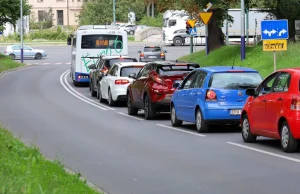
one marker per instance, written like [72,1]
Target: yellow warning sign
[205,17]
[192,23]
[274,45]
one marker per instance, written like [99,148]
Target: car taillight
[158,79]
[121,81]
[142,55]
[211,95]
[295,103]
[162,55]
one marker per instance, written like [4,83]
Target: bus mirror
[93,66]
[69,41]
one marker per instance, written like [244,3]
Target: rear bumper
[85,79]
[163,105]
[222,115]
[118,92]
[150,60]
[295,127]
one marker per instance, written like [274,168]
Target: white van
[89,43]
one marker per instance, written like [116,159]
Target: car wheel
[201,125]
[100,94]
[12,56]
[175,122]
[177,41]
[149,111]
[131,110]
[111,102]
[288,143]
[248,137]
[93,92]
[38,56]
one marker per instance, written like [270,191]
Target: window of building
[41,16]
[60,17]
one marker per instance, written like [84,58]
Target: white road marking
[46,63]
[265,152]
[82,96]
[130,116]
[68,90]
[180,130]
[58,63]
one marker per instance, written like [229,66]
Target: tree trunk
[152,9]
[216,37]
[148,9]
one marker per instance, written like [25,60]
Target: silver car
[14,52]
[152,53]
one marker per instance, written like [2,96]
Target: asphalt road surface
[129,155]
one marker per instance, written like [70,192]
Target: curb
[16,69]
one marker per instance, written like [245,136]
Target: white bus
[89,43]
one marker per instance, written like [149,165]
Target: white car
[113,86]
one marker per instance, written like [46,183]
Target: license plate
[152,57]
[235,112]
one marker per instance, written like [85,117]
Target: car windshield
[110,62]
[152,49]
[174,69]
[235,80]
[125,71]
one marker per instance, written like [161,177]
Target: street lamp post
[242,30]
[21,27]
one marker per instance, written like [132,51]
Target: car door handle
[279,99]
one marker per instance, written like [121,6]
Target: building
[65,11]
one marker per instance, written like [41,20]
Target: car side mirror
[92,66]
[165,51]
[176,85]
[139,51]
[250,92]
[132,75]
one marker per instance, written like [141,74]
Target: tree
[124,6]
[96,12]
[10,11]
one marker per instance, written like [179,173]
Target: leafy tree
[10,11]
[96,12]
[123,7]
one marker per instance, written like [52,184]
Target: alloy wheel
[245,128]
[199,120]
[285,136]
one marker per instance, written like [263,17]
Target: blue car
[212,95]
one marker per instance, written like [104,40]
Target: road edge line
[180,130]
[129,116]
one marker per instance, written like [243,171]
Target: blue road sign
[193,31]
[274,29]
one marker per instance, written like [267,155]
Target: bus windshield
[101,41]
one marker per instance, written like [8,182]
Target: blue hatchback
[212,95]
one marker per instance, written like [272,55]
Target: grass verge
[130,38]
[256,58]
[6,63]
[24,170]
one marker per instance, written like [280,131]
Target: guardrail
[145,33]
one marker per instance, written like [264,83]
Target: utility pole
[21,17]
[114,11]
[243,53]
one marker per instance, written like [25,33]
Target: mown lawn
[256,58]
[6,63]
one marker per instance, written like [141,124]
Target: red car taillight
[211,95]
[142,55]
[162,55]
[121,81]
[295,103]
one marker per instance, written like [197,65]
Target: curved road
[129,155]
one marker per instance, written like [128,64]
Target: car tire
[247,135]
[177,41]
[130,109]
[93,92]
[111,102]
[12,56]
[201,125]
[288,143]
[175,122]
[100,95]
[38,56]
[150,113]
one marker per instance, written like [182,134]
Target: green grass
[6,63]
[130,38]
[255,58]
[24,170]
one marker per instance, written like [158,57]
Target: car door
[257,115]
[181,96]
[138,85]
[194,93]
[27,52]
[274,102]
[16,51]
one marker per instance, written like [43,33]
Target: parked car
[152,88]
[273,109]
[113,86]
[100,69]
[14,52]
[152,53]
[212,95]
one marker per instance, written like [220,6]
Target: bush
[48,34]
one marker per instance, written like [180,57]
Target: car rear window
[174,69]
[235,80]
[110,62]
[152,49]
[125,71]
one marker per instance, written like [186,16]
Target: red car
[152,87]
[273,109]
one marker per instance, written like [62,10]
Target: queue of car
[206,96]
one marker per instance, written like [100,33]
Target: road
[129,155]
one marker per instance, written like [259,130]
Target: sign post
[274,34]
[192,32]
[205,17]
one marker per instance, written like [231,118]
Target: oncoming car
[14,52]
[212,95]
[114,85]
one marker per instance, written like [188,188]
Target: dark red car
[273,109]
[152,87]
